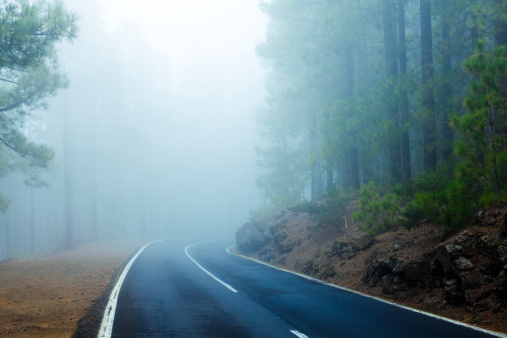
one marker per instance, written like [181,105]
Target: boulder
[453,291]
[463,264]
[252,236]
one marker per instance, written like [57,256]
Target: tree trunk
[353,164]
[390,47]
[428,99]
[316,171]
[500,23]
[32,223]
[447,94]
[329,182]
[7,233]
[406,171]
[69,227]
[93,184]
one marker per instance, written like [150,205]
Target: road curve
[194,288]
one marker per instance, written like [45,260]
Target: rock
[285,248]
[444,257]
[310,268]
[502,252]
[337,248]
[500,287]
[252,236]
[490,268]
[343,249]
[453,250]
[452,291]
[476,298]
[279,237]
[463,264]
[471,279]
[414,270]
[397,247]
[376,270]
[364,242]
[265,231]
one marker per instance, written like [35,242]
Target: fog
[154,136]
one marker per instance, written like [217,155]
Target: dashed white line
[298,334]
[209,273]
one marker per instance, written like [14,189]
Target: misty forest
[109,131]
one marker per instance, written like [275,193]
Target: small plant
[432,181]
[376,213]
[330,212]
[411,216]
[449,208]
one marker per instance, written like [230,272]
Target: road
[192,288]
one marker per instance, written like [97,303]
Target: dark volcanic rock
[364,242]
[376,270]
[453,291]
[343,249]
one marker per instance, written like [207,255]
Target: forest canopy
[29,75]
[408,94]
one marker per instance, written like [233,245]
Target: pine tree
[30,74]
[482,146]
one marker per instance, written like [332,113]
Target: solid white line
[298,334]
[209,273]
[494,333]
[106,328]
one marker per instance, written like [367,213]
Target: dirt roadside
[415,267]
[46,297]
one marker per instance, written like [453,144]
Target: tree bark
[447,92]
[316,171]
[329,182]
[69,226]
[390,46]
[93,184]
[428,99]
[406,171]
[353,157]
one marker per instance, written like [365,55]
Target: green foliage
[449,208]
[431,181]
[324,80]
[483,145]
[376,213]
[329,212]
[412,215]
[29,74]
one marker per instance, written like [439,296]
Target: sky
[217,84]
[157,128]
[190,31]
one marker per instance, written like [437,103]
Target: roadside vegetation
[400,103]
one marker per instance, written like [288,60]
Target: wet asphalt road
[166,294]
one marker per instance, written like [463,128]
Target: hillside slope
[463,277]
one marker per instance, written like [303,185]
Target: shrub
[376,213]
[329,212]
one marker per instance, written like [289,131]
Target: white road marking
[298,334]
[209,273]
[106,328]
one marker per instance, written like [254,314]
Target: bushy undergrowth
[443,198]
[329,212]
[376,213]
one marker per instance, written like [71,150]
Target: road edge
[106,326]
[493,333]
